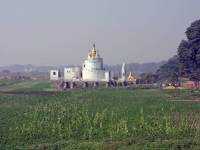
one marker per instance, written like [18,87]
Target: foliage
[9,82]
[170,70]
[35,86]
[187,62]
[97,119]
[147,78]
[189,52]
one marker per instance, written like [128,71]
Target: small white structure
[123,72]
[93,67]
[107,76]
[73,73]
[54,75]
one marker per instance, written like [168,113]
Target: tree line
[185,64]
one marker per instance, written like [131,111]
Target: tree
[170,70]
[6,72]
[147,78]
[193,32]
[185,58]
[187,62]
[189,52]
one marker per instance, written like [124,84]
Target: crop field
[24,85]
[107,119]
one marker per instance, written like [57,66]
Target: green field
[99,119]
[25,85]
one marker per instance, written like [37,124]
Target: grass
[9,82]
[25,85]
[35,86]
[99,119]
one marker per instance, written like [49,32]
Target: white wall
[72,73]
[95,75]
[54,75]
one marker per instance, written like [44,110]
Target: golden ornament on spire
[93,51]
[130,77]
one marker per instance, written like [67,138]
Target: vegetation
[189,52]
[99,119]
[187,61]
[170,70]
[35,86]
[147,78]
[25,85]
[9,82]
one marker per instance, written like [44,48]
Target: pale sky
[60,32]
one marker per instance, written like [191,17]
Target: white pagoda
[93,67]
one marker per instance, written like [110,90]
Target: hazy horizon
[61,32]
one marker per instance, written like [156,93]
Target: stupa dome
[93,67]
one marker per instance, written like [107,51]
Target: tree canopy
[189,52]
[187,61]
[170,70]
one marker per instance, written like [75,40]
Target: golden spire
[130,77]
[94,51]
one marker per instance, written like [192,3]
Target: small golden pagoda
[131,77]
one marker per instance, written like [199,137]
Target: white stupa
[93,67]
[123,72]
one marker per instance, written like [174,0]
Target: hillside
[136,68]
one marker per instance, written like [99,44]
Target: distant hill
[26,68]
[136,68]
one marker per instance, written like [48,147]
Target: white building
[92,70]
[123,72]
[93,67]
[55,75]
[73,73]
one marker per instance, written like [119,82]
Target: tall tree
[170,70]
[147,78]
[187,61]
[189,52]
[185,58]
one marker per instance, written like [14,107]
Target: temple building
[72,73]
[92,70]
[93,67]
[55,75]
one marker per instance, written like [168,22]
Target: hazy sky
[60,32]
